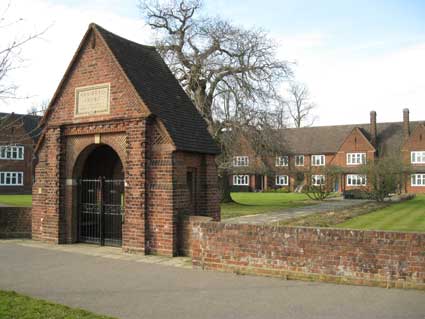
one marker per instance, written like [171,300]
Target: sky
[354,56]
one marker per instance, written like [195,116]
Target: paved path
[130,289]
[325,206]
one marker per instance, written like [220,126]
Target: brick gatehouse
[124,154]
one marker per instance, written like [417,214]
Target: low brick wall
[387,259]
[15,222]
[185,232]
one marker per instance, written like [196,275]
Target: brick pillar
[212,195]
[135,191]
[50,221]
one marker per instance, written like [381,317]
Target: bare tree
[321,182]
[385,176]
[217,63]
[10,52]
[39,109]
[300,106]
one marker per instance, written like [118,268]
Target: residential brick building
[346,146]
[18,136]
[124,154]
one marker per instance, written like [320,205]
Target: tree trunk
[225,188]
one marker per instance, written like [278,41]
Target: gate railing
[101,211]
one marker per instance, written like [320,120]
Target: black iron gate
[101,211]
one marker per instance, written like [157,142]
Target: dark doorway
[101,198]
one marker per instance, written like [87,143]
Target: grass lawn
[405,216]
[259,203]
[16,200]
[16,306]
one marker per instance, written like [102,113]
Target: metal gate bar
[101,207]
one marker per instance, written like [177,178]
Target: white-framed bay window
[356,158]
[418,179]
[299,160]
[282,160]
[11,178]
[318,180]
[318,160]
[356,180]
[417,157]
[240,161]
[11,152]
[240,180]
[282,180]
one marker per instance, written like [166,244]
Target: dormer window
[240,161]
[356,158]
[282,160]
[318,160]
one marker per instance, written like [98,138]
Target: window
[241,180]
[11,152]
[418,179]
[356,180]
[240,161]
[282,161]
[417,157]
[318,180]
[299,160]
[282,180]
[318,160]
[11,178]
[356,158]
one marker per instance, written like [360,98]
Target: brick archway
[81,160]
[78,148]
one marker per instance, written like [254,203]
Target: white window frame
[282,180]
[418,180]
[11,178]
[417,157]
[12,152]
[241,180]
[240,161]
[282,161]
[356,158]
[356,180]
[322,161]
[297,161]
[315,178]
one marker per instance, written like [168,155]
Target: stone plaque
[92,100]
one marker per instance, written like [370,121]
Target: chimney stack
[406,124]
[373,128]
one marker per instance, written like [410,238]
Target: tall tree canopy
[231,73]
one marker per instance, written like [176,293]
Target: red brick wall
[415,142]
[15,222]
[95,66]
[12,131]
[353,256]
[205,202]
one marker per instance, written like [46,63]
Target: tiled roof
[162,93]
[30,123]
[328,139]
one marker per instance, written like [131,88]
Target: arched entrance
[100,196]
